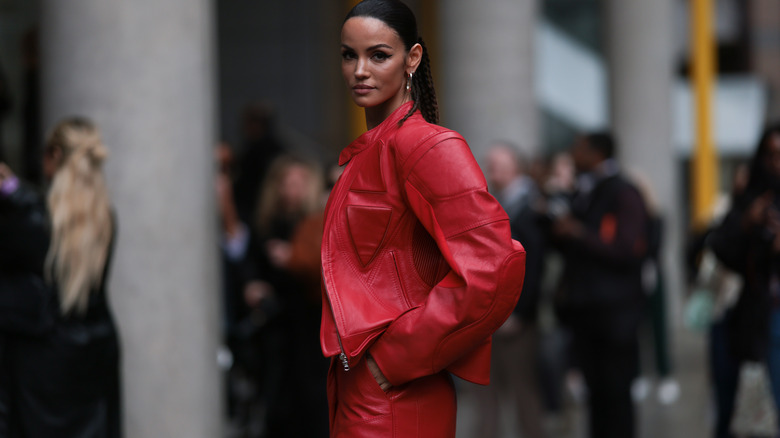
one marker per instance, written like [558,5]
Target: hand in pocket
[377,373]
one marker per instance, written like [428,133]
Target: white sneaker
[640,389]
[575,383]
[668,391]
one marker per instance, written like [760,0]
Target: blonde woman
[64,382]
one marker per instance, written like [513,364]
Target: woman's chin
[363,102]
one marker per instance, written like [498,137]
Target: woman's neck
[375,115]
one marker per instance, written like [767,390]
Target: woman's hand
[377,373]
[512,326]
[257,291]
[757,212]
[568,227]
[5,172]
[279,252]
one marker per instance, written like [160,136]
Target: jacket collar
[369,137]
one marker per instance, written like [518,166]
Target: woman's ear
[414,58]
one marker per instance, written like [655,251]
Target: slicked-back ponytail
[423,92]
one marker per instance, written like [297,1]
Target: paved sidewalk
[689,417]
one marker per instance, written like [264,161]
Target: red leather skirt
[359,408]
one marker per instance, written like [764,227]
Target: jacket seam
[412,179]
[419,144]
[407,168]
[464,228]
[484,316]
[476,225]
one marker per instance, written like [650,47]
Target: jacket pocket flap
[367,228]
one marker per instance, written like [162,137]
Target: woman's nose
[361,69]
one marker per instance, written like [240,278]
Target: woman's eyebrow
[374,47]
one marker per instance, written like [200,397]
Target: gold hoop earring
[409,82]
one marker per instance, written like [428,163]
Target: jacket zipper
[342,356]
[337,193]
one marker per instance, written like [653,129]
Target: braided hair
[400,18]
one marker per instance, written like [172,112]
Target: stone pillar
[764,19]
[142,70]
[640,56]
[487,61]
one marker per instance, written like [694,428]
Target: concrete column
[142,70]
[764,19]
[487,61]
[640,55]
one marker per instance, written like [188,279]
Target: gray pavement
[690,416]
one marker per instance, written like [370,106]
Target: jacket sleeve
[447,192]
[526,229]
[730,241]
[27,304]
[24,236]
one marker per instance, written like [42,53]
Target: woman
[64,382]
[418,264]
[290,195]
[748,242]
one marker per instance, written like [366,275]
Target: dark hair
[401,19]
[759,179]
[602,142]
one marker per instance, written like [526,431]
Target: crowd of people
[577,206]
[579,216]
[350,299]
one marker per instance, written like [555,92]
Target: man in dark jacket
[604,241]
[516,343]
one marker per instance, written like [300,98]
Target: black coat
[25,301]
[602,274]
[60,374]
[748,252]
[528,229]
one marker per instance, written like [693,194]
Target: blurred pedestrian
[236,328]
[654,285]
[516,343]
[748,242]
[65,381]
[419,268]
[600,298]
[279,296]
[259,149]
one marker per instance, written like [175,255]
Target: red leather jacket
[417,260]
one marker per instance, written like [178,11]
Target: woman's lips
[362,89]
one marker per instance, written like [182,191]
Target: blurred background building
[166,79]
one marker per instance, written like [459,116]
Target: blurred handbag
[755,413]
[699,309]
[716,290]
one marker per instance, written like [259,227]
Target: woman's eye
[347,55]
[380,56]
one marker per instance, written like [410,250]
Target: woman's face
[374,63]
[294,187]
